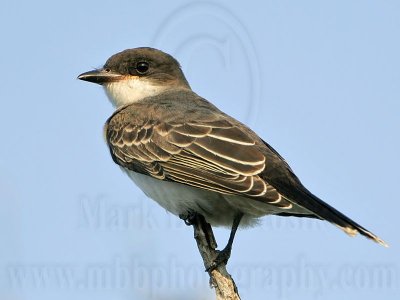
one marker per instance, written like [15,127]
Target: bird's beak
[100,76]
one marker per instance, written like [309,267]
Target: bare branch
[220,279]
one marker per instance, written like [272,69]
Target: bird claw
[221,259]
[189,218]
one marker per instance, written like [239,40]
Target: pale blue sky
[319,81]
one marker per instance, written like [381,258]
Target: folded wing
[208,153]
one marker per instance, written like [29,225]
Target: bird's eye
[142,67]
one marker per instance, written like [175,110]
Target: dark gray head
[133,74]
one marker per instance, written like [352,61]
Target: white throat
[128,91]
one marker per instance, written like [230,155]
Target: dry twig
[220,279]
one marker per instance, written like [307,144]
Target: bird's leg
[189,218]
[196,219]
[224,255]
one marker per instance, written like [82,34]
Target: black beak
[100,76]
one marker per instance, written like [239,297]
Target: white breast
[218,209]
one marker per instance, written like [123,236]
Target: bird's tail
[326,212]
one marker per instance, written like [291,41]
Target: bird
[191,157]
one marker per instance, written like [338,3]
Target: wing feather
[234,135]
[244,154]
[212,154]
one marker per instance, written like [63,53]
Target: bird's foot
[189,218]
[221,259]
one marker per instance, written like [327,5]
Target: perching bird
[190,157]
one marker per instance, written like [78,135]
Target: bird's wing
[208,151]
[202,147]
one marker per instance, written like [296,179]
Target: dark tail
[282,178]
[301,196]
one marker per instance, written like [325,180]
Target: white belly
[218,209]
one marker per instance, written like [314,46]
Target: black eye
[142,67]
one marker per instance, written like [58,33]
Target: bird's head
[134,74]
